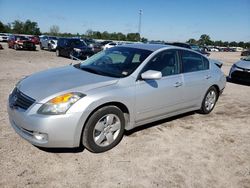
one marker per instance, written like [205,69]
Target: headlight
[60,104]
[77,49]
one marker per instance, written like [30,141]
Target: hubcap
[107,130]
[210,100]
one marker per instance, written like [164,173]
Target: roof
[150,47]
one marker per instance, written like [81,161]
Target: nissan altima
[92,103]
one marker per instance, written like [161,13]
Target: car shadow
[62,150]
[237,82]
[157,123]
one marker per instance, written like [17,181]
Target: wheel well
[217,89]
[121,106]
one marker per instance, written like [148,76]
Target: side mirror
[151,75]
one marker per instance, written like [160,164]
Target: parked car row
[194,47]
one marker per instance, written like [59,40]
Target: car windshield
[52,38]
[77,43]
[21,38]
[115,62]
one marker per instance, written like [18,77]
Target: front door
[158,97]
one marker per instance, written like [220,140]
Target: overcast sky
[177,20]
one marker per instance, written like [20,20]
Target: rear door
[196,76]
[156,98]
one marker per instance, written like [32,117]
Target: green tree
[144,40]
[192,41]
[17,26]
[133,37]
[241,44]
[205,40]
[218,43]
[27,27]
[233,44]
[31,28]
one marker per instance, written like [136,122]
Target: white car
[214,49]
[4,37]
[110,45]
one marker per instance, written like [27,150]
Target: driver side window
[166,62]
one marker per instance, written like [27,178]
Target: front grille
[19,99]
[28,44]
[241,75]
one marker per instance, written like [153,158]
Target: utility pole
[139,26]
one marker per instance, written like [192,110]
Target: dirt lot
[189,151]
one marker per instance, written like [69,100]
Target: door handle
[208,76]
[178,84]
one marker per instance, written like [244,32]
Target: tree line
[31,28]
[205,40]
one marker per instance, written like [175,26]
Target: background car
[115,90]
[110,45]
[95,46]
[214,49]
[73,47]
[34,39]
[240,71]
[18,42]
[245,53]
[48,42]
[194,47]
[4,37]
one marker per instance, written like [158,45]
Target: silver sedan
[240,71]
[93,102]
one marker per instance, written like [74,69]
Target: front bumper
[26,46]
[239,74]
[47,130]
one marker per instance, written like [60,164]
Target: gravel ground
[192,150]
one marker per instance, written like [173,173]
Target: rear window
[192,62]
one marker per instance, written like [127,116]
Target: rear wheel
[41,47]
[209,100]
[104,129]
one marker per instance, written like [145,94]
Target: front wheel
[49,48]
[16,47]
[57,53]
[104,129]
[209,100]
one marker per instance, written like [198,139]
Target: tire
[209,100]
[58,53]
[104,129]
[16,47]
[41,47]
[49,48]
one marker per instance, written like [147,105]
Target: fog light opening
[40,136]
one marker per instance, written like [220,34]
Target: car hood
[64,79]
[243,64]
